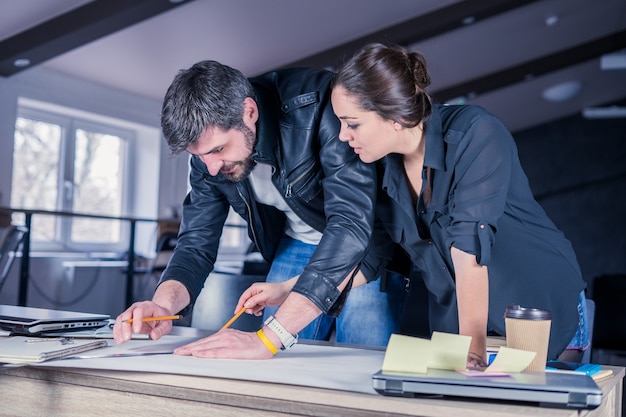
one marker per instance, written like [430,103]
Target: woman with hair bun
[452,193]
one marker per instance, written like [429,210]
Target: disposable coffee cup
[529,329]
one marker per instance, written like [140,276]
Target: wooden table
[49,392]
[62,391]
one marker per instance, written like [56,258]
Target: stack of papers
[25,350]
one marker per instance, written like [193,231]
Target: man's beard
[244,167]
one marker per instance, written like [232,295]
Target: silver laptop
[34,321]
[545,389]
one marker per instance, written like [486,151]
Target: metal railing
[25,261]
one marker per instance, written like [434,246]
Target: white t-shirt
[265,192]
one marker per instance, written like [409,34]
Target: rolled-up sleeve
[482,179]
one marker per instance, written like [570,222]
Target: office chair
[164,248]
[10,240]
[147,282]
[214,306]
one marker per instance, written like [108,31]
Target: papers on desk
[26,350]
[320,366]
[164,346]
[511,360]
[448,352]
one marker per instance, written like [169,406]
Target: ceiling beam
[415,30]
[75,28]
[572,56]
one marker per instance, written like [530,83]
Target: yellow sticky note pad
[511,360]
[449,351]
[407,354]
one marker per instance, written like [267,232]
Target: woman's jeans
[580,341]
[369,316]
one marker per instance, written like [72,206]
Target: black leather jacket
[320,177]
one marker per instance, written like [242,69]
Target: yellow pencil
[160,318]
[235,317]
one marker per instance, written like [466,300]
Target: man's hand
[227,344]
[170,297]
[123,331]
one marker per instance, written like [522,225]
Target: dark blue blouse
[482,204]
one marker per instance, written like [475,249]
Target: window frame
[70,122]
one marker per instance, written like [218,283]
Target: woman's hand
[262,294]
[476,361]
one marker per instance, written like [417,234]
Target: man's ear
[250,112]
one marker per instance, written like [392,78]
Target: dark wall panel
[577,171]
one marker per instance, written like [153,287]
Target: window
[65,163]
[71,160]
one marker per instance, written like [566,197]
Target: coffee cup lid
[515,311]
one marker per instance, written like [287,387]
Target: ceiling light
[562,92]
[616,60]
[21,62]
[612,112]
[552,20]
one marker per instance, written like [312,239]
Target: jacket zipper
[254,237]
[290,185]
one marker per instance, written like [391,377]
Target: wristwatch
[287,339]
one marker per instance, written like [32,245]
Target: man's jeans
[369,316]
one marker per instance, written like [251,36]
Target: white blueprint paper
[342,368]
